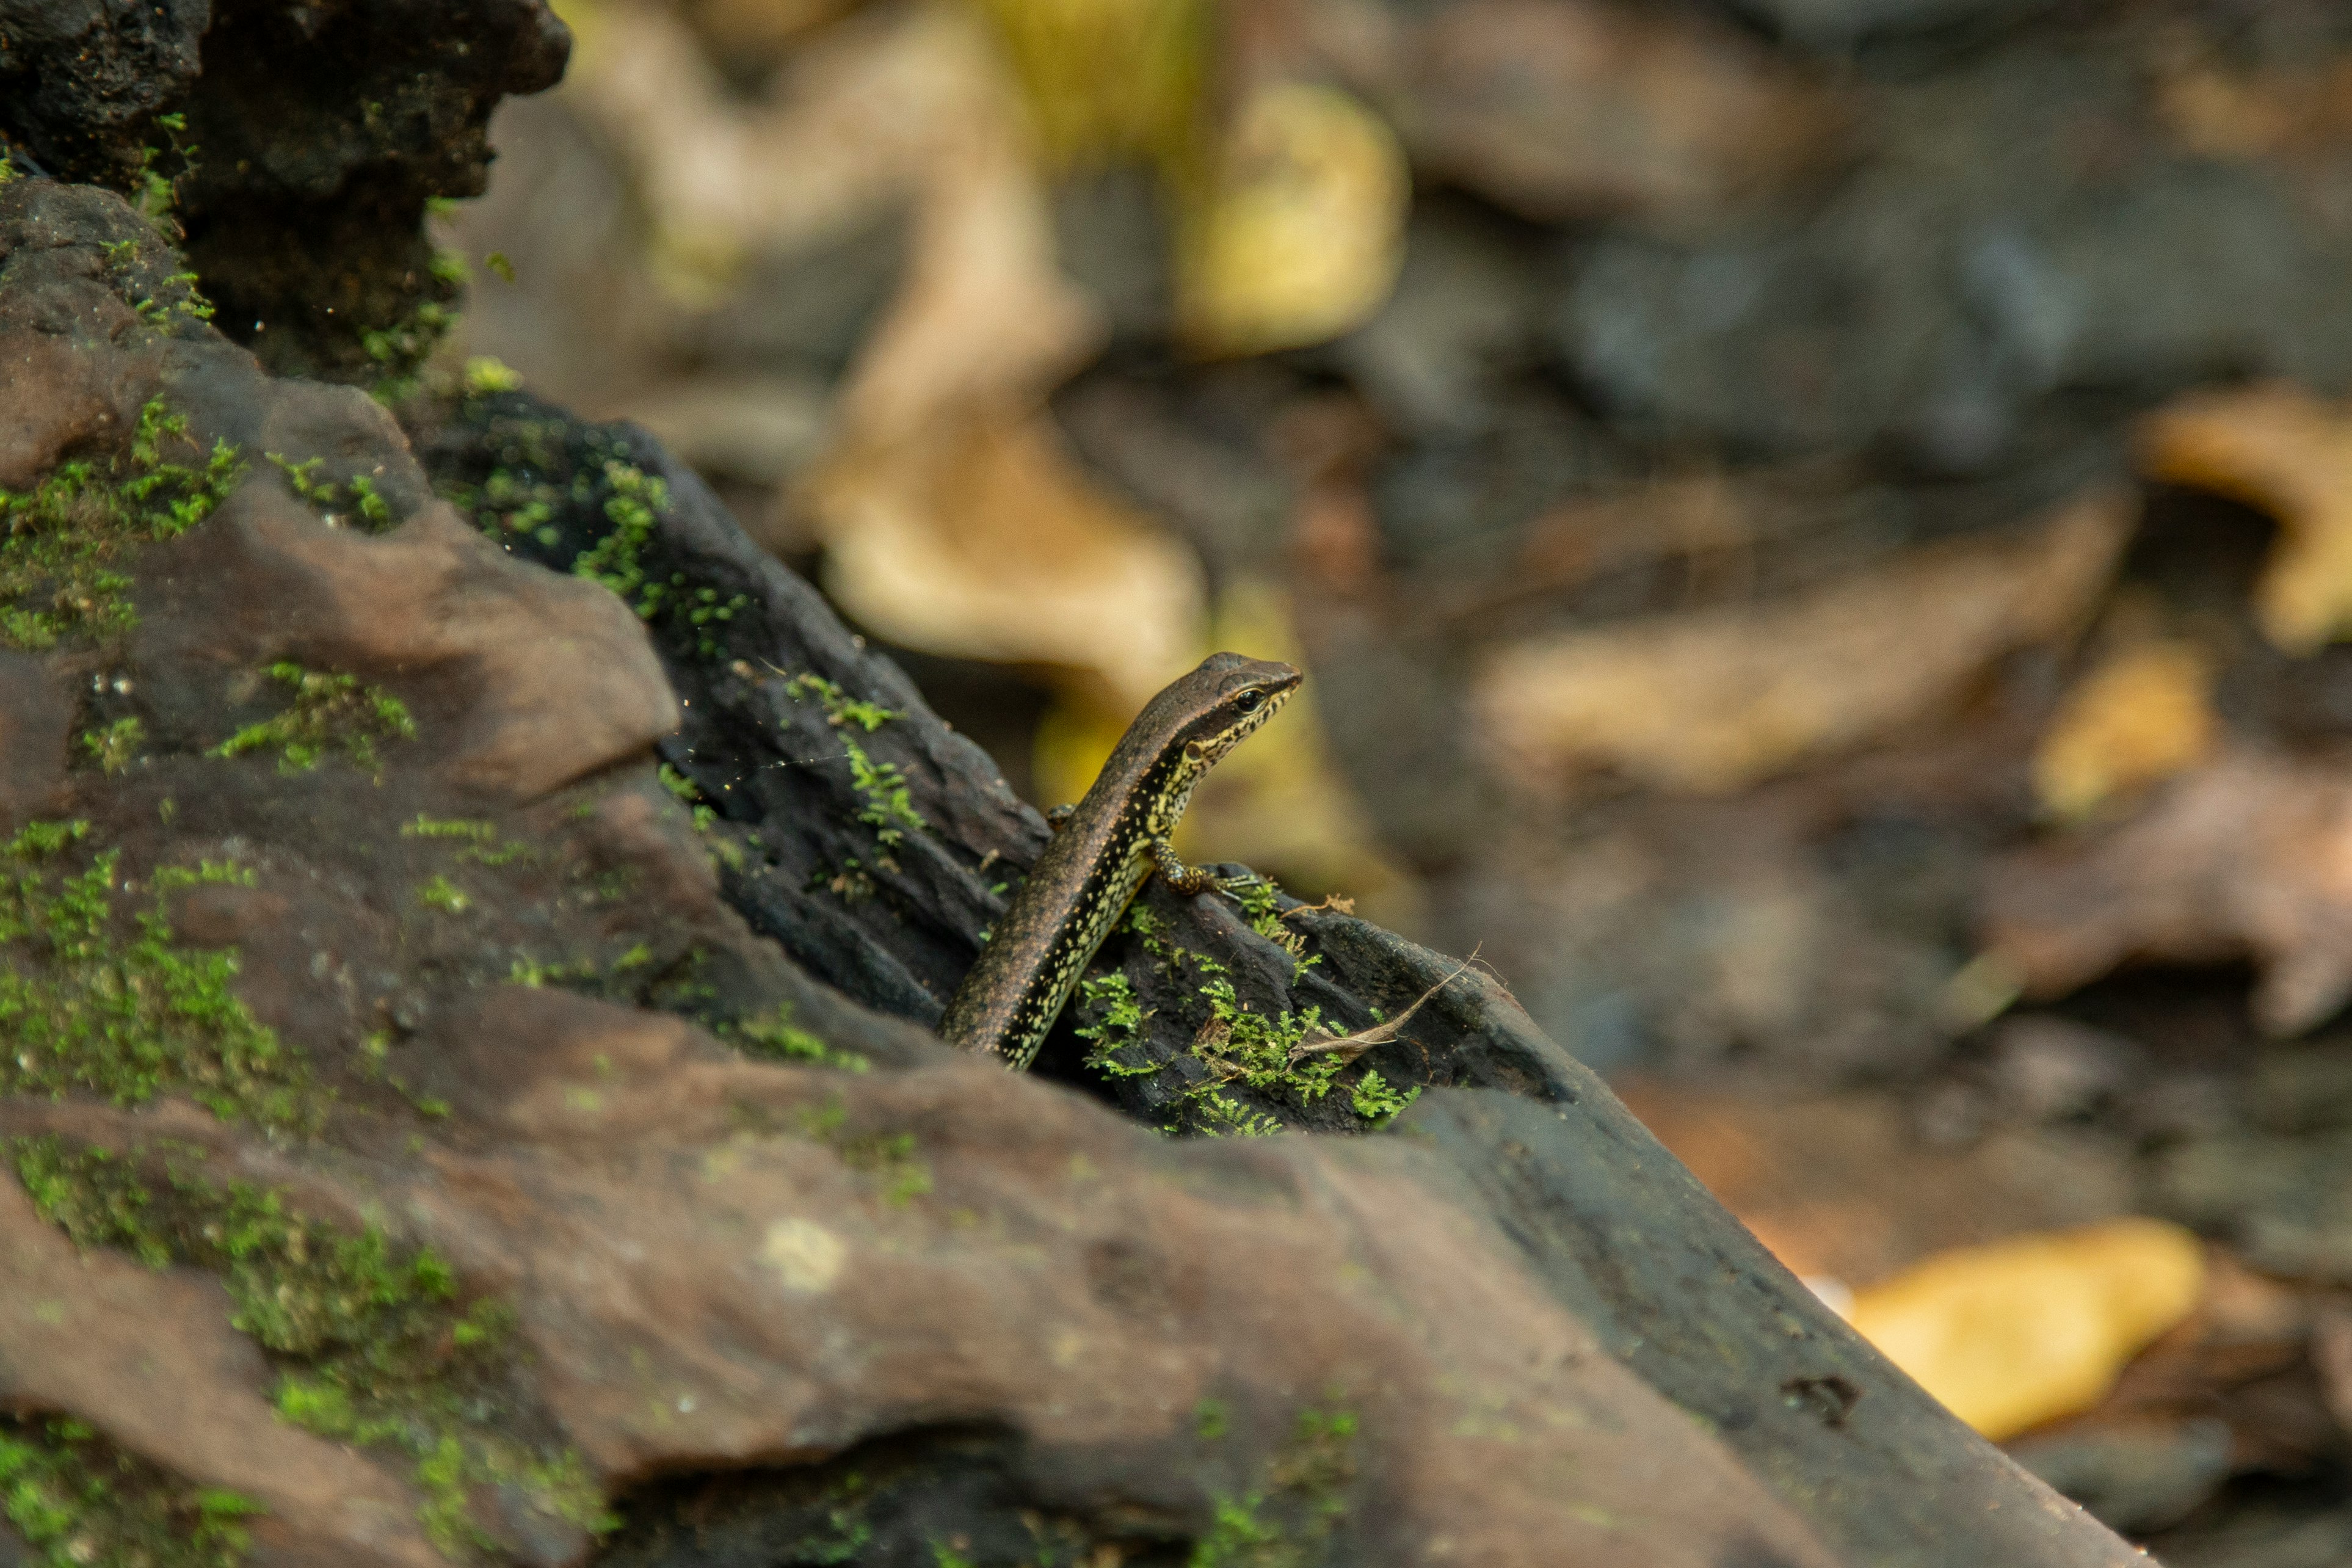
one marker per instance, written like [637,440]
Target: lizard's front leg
[1186,879]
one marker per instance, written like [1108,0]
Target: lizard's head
[1228,697]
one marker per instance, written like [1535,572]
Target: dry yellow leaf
[1713,700]
[2279,448]
[2025,1331]
[2145,713]
[1301,231]
[1110,77]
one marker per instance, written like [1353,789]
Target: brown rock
[544,678]
[150,1359]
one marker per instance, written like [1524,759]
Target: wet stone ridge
[468,924]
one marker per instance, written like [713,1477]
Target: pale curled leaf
[1716,699]
[2023,1330]
[2285,451]
[1347,1047]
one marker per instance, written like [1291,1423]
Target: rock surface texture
[296,145]
[469,1097]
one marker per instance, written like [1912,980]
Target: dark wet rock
[307,140]
[82,81]
[2021,228]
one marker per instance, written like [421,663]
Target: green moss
[1289,1519]
[484,375]
[887,808]
[1115,1021]
[1278,1054]
[633,502]
[116,747]
[1376,1100]
[439,892]
[687,794]
[356,499]
[777,1038]
[400,351]
[63,545]
[86,1005]
[481,838]
[78,1500]
[1260,902]
[372,1342]
[327,713]
[890,1156]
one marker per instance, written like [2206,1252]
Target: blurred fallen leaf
[1565,109]
[953,518]
[981,539]
[2144,714]
[1109,79]
[1300,230]
[860,117]
[1714,701]
[760,31]
[2249,857]
[2278,448]
[2024,1331]
[1279,803]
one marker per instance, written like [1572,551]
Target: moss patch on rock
[373,1342]
[92,1000]
[63,544]
[327,713]
[80,1500]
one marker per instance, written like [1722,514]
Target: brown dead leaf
[1713,701]
[2279,448]
[2249,857]
[2144,714]
[2023,1330]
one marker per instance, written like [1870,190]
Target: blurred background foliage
[1819,530]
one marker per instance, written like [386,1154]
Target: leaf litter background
[1820,531]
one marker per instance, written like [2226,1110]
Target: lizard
[1103,850]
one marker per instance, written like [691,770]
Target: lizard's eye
[1248,702]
